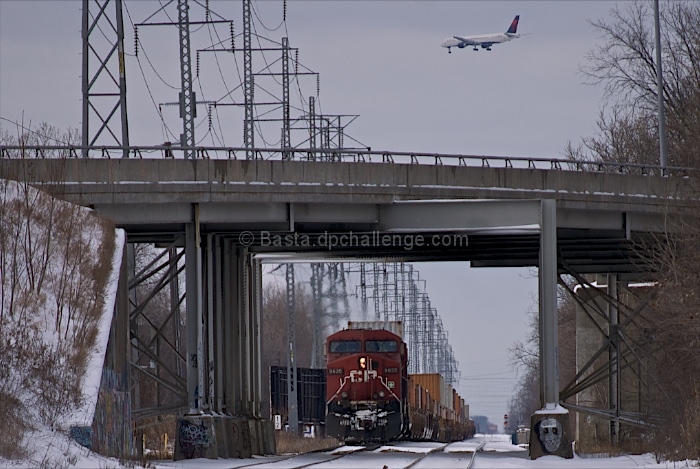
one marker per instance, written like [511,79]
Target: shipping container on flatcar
[311,394]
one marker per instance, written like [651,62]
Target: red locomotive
[371,398]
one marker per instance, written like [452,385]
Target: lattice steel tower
[104,86]
[188,108]
[248,84]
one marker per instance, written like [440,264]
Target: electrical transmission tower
[187,98]
[331,304]
[398,294]
[104,81]
[188,108]
[104,84]
[248,85]
[391,291]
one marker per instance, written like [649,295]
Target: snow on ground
[420,447]
[346,449]
[486,443]
[58,450]
[500,461]
[63,452]
[84,415]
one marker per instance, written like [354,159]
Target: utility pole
[316,280]
[286,141]
[248,85]
[293,411]
[188,108]
[312,128]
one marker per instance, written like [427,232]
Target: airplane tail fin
[514,25]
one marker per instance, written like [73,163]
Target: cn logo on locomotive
[358,376]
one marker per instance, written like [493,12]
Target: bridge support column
[193,300]
[550,426]
[614,359]
[230,383]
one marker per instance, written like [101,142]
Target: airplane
[484,40]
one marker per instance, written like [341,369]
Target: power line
[150,94]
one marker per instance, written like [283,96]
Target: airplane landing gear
[476,49]
[449,51]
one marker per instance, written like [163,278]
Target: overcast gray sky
[379,59]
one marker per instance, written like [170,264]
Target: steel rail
[471,461]
[424,455]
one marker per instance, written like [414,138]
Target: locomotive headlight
[344,394]
[381,393]
[363,363]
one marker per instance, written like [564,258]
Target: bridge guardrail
[335,155]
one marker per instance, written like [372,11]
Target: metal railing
[337,155]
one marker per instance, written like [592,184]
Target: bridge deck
[598,214]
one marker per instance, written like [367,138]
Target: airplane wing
[467,41]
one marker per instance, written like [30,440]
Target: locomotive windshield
[381,346]
[346,346]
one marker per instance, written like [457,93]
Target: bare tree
[525,357]
[672,332]
[623,63]
[52,281]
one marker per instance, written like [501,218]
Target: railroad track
[326,458]
[302,465]
[318,458]
[471,461]
[424,455]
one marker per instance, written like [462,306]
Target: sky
[380,60]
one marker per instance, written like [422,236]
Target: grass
[290,443]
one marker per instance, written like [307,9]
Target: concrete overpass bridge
[227,216]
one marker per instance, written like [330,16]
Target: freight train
[370,396]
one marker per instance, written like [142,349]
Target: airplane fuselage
[485,41]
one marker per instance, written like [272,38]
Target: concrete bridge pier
[224,300]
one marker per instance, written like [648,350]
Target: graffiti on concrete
[246,435]
[111,426]
[235,433]
[549,432]
[82,435]
[193,439]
